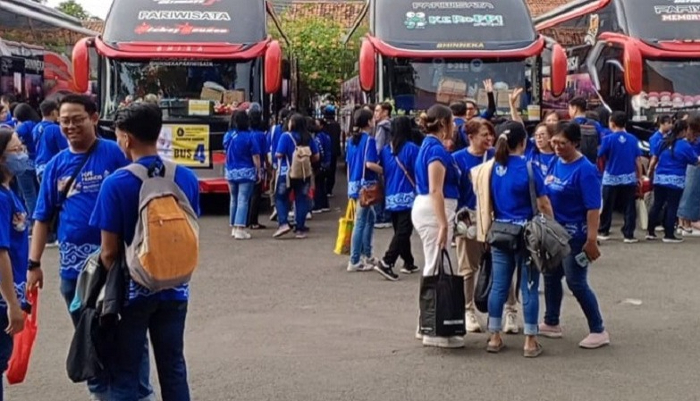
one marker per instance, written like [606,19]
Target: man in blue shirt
[623,172]
[590,141]
[162,313]
[90,161]
[48,139]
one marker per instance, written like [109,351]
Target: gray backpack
[546,241]
[165,250]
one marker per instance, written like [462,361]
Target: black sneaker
[409,269]
[386,271]
[673,240]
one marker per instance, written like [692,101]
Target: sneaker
[683,230]
[362,266]
[357,267]
[325,210]
[409,269]
[692,233]
[511,326]
[673,240]
[241,234]
[443,342]
[595,340]
[273,216]
[370,261]
[550,331]
[651,237]
[309,216]
[386,271]
[419,335]
[300,235]
[472,323]
[659,229]
[603,237]
[630,240]
[282,231]
[316,211]
[380,226]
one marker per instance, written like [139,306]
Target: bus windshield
[667,86]
[653,20]
[179,81]
[418,84]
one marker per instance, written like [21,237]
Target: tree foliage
[74,9]
[317,43]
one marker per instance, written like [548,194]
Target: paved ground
[282,320]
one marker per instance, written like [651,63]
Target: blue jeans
[577,281]
[301,201]
[362,233]
[240,202]
[504,265]
[164,321]
[99,386]
[28,185]
[5,348]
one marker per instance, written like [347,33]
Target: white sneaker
[630,241]
[473,325]
[603,237]
[309,216]
[692,233]
[370,262]
[242,234]
[659,229]
[511,326]
[419,335]
[443,342]
[355,267]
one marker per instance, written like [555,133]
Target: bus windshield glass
[177,82]
[448,22]
[418,84]
[668,86]
[656,20]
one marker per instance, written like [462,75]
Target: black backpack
[590,141]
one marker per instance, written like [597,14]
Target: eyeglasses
[78,120]
[560,144]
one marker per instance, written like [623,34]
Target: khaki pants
[469,253]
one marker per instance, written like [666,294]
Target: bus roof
[186,21]
[430,25]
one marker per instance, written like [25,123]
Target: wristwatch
[33,265]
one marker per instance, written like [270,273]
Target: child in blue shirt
[322,168]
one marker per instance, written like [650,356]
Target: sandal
[495,349]
[533,353]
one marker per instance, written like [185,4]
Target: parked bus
[199,59]
[638,56]
[421,53]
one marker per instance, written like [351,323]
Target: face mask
[17,163]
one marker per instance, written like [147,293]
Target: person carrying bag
[442,301]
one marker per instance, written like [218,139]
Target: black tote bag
[442,302]
[483,283]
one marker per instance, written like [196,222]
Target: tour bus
[418,53]
[199,59]
[638,56]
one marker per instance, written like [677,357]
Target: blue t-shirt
[430,151]
[466,162]
[399,190]
[655,139]
[240,149]
[671,168]
[76,238]
[286,147]
[274,139]
[510,190]
[356,157]
[573,190]
[49,141]
[540,161]
[24,132]
[14,238]
[117,212]
[323,142]
[261,140]
[620,151]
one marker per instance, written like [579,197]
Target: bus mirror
[632,62]
[81,65]
[273,67]
[368,66]
[559,69]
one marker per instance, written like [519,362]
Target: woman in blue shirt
[14,244]
[257,126]
[667,169]
[664,124]
[242,171]
[542,154]
[398,160]
[322,168]
[298,135]
[437,189]
[28,184]
[510,192]
[363,169]
[572,186]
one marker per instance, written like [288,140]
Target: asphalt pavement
[282,320]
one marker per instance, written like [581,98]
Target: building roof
[96,25]
[539,7]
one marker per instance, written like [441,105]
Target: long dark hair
[360,120]
[240,121]
[5,138]
[24,112]
[438,118]
[512,134]
[298,125]
[679,127]
[401,131]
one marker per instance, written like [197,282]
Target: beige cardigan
[481,180]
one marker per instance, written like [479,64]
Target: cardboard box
[234,96]
[210,94]
[502,99]
[450,90]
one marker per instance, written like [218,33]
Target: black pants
[321,190]
[330,181]
[671,197]
[625,194]
[254,208]
[401,242]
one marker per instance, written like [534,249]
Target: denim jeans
[5,347]
[240,202]
[504,265]
[28,187]
[671,198]
[99,387]
[164,321]
[627,195]
[362,233]
[301,201]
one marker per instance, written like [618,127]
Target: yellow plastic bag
[345,226]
